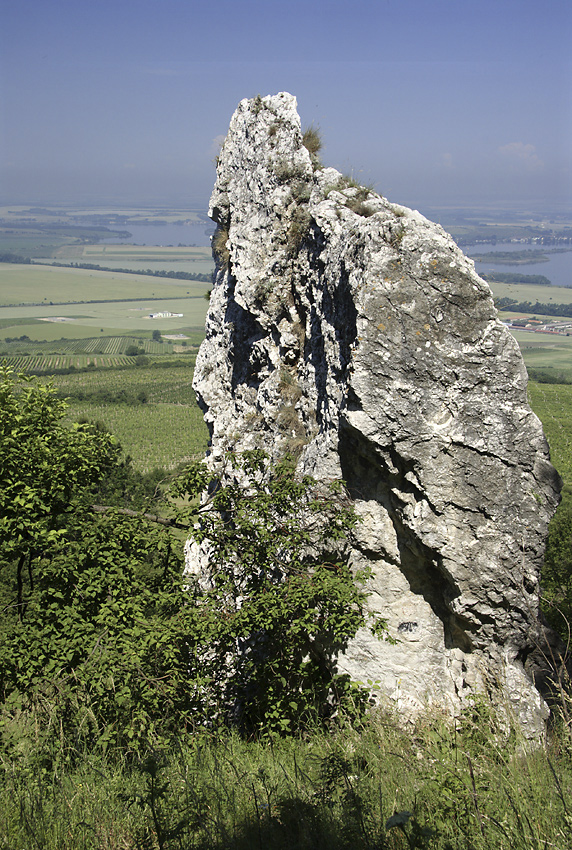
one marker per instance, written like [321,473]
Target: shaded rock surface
[355,334]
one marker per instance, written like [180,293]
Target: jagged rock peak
[354,333]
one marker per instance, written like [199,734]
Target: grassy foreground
[468,785]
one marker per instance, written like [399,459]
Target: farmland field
[164,431]
[532,293]
[127,317]
[78,304]
[547,352]
[137,257]
[41,284]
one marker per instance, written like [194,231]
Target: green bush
[283,598]
[102,644]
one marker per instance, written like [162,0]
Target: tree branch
[172,523]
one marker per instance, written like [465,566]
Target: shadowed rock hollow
[355,334]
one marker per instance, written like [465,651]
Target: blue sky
[435,102]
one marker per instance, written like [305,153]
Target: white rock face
[355,334]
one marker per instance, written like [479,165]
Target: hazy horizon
[435,102]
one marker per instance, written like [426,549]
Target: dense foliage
[101,640]
[281,588]
[120,678]
[564,310]
[509,277]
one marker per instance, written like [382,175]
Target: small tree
[102,637]
[282,600]
[43,465]
[96,631]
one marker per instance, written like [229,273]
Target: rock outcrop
[354,333]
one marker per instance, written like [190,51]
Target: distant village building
[165,315]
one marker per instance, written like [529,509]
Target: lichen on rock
[353,333]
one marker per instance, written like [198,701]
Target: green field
[162,432]
[552,354]
[77,303]
[137,257]
[532,293]
[42,284]
[122,317]
[552,403]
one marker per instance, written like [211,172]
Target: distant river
[165,234]
[558,269]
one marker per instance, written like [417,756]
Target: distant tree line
[542,376]
[528,307]
[23,338]
[512,277]
[8,257]
[104,396]
[177,275]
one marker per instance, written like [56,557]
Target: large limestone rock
[354,332]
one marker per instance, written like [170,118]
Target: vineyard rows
[90,345]
[116,345]
[171,385]
[47,363]
[154,435]
[163,432]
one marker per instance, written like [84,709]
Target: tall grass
[434,785]
[553,405]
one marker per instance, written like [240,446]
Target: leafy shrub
[134,351]
[282,592]
[101,644]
